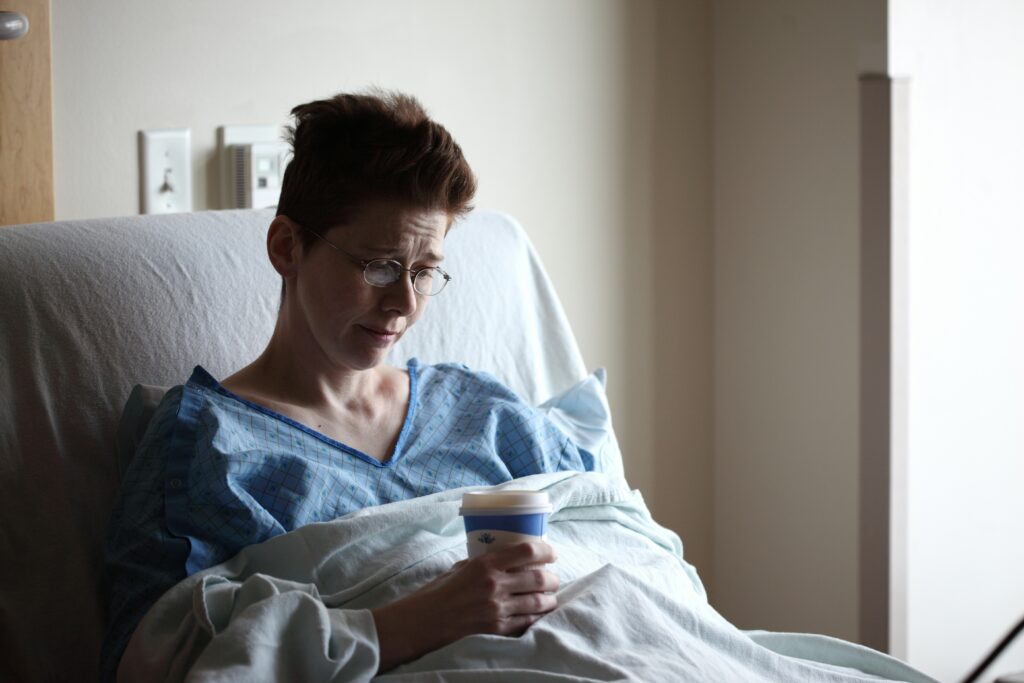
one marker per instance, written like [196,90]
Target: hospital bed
[97,314]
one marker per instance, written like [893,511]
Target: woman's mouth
[380,335]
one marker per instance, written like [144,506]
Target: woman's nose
[401,297]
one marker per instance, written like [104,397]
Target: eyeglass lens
[382,273]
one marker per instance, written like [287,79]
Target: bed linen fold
[296,607]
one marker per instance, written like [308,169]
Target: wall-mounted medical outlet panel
[229,137]
[257,172]
[165,170]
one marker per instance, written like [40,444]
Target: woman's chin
[362,351]
[368,357]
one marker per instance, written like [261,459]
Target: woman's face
[352,324]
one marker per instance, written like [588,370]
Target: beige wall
[680,197]
[786,308]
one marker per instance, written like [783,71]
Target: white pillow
[583,413]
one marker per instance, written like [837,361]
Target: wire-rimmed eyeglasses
[384,272]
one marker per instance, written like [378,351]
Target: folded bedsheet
[630,608]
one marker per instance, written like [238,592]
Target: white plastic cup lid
[505,503]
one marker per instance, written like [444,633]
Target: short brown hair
[355,148]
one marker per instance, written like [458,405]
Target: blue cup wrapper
[498,518]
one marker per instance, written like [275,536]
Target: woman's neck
[288,374]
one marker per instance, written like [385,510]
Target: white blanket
[297,606]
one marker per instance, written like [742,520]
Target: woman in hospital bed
[317,427]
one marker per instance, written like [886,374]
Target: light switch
[165,178]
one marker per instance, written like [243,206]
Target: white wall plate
[165,170]
[238,135]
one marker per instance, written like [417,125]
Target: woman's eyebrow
[429,256]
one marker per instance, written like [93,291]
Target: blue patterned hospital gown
[215,473]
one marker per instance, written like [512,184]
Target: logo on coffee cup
[498,517]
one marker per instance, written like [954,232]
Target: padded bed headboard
[90,308]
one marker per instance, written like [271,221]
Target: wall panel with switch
[165,164]
[257,170]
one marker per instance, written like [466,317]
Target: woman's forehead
[389,213]
[383,228]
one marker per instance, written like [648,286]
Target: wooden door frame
[26,118]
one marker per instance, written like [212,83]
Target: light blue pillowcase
[583,413]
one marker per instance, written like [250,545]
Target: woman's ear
[284,246]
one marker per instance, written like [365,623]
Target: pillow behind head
[583,413]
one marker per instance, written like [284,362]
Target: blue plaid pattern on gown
[215,473]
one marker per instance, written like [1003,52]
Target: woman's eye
[383,271]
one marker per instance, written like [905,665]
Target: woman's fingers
[536,604]
[511,615]
[532,581]
[522,555]
[519,568]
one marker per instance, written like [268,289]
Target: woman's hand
[502,592]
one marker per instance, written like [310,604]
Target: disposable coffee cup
[495,519]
